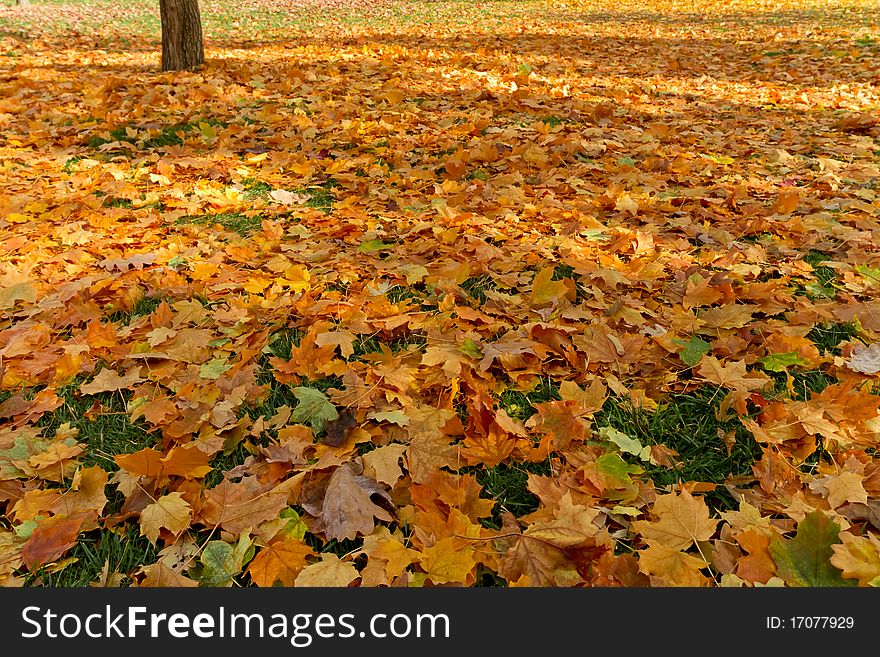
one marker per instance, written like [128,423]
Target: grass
[520,404]
[507,484]
[825,278]
[144,307]
[121,553]
[321,197]
[231,221]
[70,164]
[254,189]
[477,286]
[687,424]
[170,135]
[106,433]
[827,336]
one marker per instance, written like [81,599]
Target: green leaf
[869,272]
[314,409]
[213,369]
[25,529]
[373,245]
[625,443]
[781,362]
[471,348]
[222,561]
[616,473]
[818,291]
[295,527]
[627,161]
[693,351]
[805,560]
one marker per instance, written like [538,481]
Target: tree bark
[182,46]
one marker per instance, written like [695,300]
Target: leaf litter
[328,288]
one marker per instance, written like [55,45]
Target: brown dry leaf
[238,506]
[86,493]
[281,560]
[108,380]
[160,575]
[858,557]
[348,509]
[448,560]
[733,375]
[672,567]
[383,463]
[170,512]
[51,538]
[845,487]
[682,520]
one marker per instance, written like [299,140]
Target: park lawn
[535,293]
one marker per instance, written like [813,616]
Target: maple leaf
[682,520]
[237,507]
[747,516]
[50,539]
[545,290]
[845,487]
[448,560]
[186,461]
[329,572]
[86,494]
[337,429]
[158,575]
[170,512]
[672,567]
[858,557]
[108,380]
[805,560]
[572,526]
[562,423]
[732,375]
[21,291]
[222,561]
[387,557]
[865,359]
[279,561]
[693,351]
[314,409]
[429,450]
[347,509]
[383,463]
[758,566]
[145,463]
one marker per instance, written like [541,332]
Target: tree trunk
[182,46]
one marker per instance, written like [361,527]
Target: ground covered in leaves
[536,293]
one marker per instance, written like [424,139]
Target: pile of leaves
[444,294]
